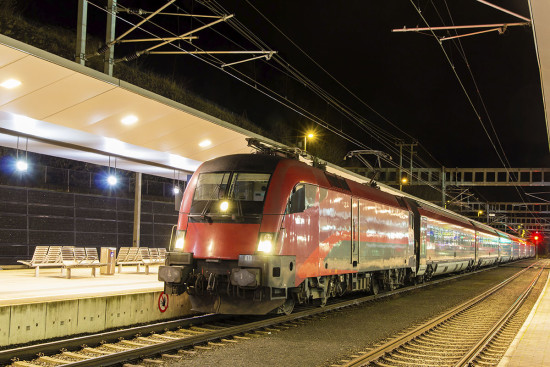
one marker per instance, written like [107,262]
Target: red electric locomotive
[260,232]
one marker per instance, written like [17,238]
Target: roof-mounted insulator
[265,147]
[136,11]
[102,50]
[131,57]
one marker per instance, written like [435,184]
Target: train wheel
[287,307]
[375,287]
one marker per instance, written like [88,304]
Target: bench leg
[147,269]
[36,271]
[93,271]
[120,268]
[68,273]
[138,268]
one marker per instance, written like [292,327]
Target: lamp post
[310,135]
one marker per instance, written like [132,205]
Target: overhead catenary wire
[277,97]
[490,120]
[500,154]
[376,131]
[373,130]
[305,113]
[299,77]
[387,141]
[215,7]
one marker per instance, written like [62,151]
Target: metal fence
[33,216]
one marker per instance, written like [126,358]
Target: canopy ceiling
[72,111]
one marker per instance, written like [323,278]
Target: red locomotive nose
[224,241]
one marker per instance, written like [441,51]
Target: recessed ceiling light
[129,120]
[11,83]
[205,143]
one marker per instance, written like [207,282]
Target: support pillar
[443,198]
[411,174]
[109,37]
[137,210]
[400,167]
[81,26]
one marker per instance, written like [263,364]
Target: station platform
[531,347]
[50,305]
[21,286]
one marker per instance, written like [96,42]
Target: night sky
[404,77]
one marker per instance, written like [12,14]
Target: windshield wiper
[215,190]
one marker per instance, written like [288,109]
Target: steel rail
[402,339]
[74,343]
[474,352]
[53,347]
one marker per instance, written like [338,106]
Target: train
[259,233]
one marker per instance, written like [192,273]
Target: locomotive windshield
[229,196]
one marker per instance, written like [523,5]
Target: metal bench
[158,254]
[129,256]
[151,256]
[162,254]
[91,255]
[44,256]
[76,257]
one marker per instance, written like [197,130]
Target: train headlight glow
[180,240]
[265,243]
[224,206]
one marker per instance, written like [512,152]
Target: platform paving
[21,286]
[531,347]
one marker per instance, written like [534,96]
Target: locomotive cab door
[354,232]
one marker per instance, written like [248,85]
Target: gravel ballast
[336,335]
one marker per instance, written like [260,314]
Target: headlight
[180,238]
[266,241]
[224,205]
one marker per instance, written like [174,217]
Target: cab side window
[303,197]
[311,196]
[297,202]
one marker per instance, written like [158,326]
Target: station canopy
[68,110]
[64,109]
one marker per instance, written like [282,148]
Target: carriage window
[303,197]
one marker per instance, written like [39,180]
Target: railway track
[475,333]
[175,339]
